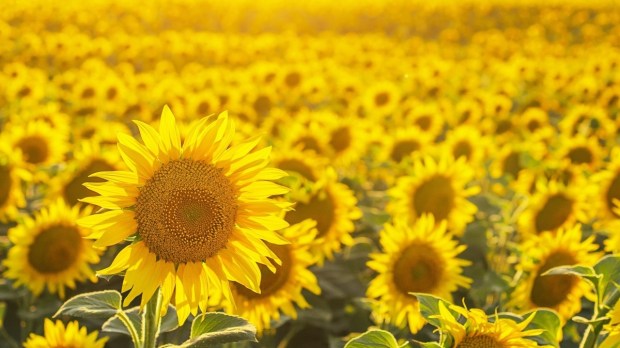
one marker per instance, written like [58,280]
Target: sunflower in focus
[553,206]
[561,293]
[471,328]
[418,258]
[334,208]
[57,335]
[11,178]
[88,159]
[200,213]
[437,187]
[281,290]
[49,250]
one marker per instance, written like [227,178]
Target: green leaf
[170,321]
[429,306]
[609,269]
[424,344]
[549,321]
[209,329]
[585,272]
[115,324]
[101,304]
[373,339]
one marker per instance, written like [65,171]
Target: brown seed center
[434,196]
[549,291]
[418,269]
[55,249]
[5,184]
[34,149]
[481,341]
[187,211]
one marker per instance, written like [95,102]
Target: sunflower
[381,99]
[199,211]
[281,290]
[475,330]
[467,112]
[466,141]
[416,258]
[403,143]
[588,120]
[428,117]
[334,208]
[57,335]
[553,206]
[561,293]
[49,250]
[11,178]
[304,163]
[607,184]
[581,151]
[40,145]
[534,122]
[346,141]
[88,159]
[437,187]
[512,158]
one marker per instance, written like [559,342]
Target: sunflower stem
[151,320]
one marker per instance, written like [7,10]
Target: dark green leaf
[115,324]
[549,321]
[373,339]
[585,272]
[609,269]
[429,306]
[216,328]
[101,304]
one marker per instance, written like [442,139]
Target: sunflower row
[467,161]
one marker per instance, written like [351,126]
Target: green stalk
[591,334]
[151,320]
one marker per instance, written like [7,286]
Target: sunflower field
[203,173]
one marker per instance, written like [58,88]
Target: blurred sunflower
[436,187]
[40,145]
[553,206]
[89,158]
[381,99]
[281,290]
[429,118]
[11,179]
[334,208]
[346,141]
[467,142]
[200,210]
[561,293]
[607,185]
[588,120]
[57,335]
[295,161]
[416,258]
[49,250]
[403,143]
[534,122]
[475,330]
[581,151]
